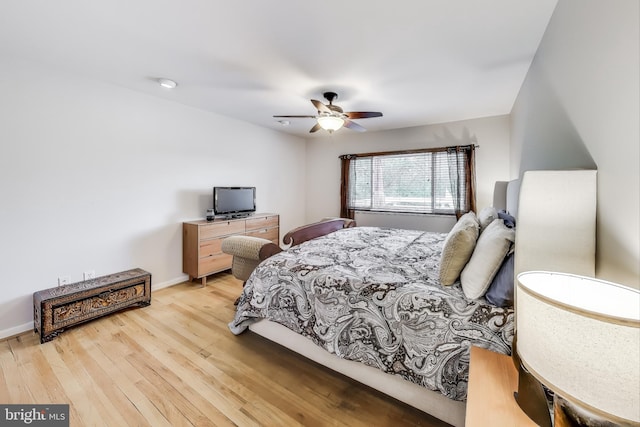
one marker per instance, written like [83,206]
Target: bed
[370,303]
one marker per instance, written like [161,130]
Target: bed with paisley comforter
[372,295]
[367,301]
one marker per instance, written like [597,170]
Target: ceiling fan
[331,117]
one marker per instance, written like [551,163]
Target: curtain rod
[412,151]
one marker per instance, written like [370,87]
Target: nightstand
[492,381]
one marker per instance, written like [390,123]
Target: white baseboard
[25,327]
[16,330]
[166,284]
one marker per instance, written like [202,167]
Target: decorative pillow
[509,220]
[492,247]
[500,292]
[487,216]
[458,247]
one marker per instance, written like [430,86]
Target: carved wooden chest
[56,309]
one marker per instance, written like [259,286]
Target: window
[431,181]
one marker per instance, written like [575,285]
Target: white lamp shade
[580,337]
[330,123]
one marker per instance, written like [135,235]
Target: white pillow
[487,216]
[492,246]
[458,247]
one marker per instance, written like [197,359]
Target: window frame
[468,178]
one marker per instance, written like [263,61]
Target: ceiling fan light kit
[331,117]
[330,123]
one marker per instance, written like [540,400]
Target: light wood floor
[175,363]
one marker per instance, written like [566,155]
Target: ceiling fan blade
[320,106]
[353,126]
[315,128]
[295,117]
[363,114]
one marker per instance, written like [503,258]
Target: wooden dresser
[202,241]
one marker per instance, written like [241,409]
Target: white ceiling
[417,61]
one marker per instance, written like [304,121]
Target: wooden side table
[492,381]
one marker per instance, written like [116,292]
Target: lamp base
[566,414]
[530,396]
[531,399]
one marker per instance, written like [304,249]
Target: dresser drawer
[213,264]
[268,233]
[256,223]
[210,247]
[223,228]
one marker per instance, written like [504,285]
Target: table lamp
[580,337]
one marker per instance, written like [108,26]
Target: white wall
[97,177]
[579,107]
[323,164]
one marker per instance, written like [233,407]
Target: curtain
[461,160]
[345,212]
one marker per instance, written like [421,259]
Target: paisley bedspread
[372,295]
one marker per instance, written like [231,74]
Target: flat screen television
[234,201]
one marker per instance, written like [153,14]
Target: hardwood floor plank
[115,397]
[14,383]
[4,388]
[28,372]
[157,362]
[140,411]
[191,404]
[191,370]
[68,380]
[238,389]
[80,362]
[175,363]
[249,363]
[112,358]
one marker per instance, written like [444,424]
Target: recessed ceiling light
[167,84]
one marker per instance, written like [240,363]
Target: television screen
[233,200]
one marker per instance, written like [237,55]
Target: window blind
[428,182]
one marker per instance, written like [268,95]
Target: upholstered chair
[246,254]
